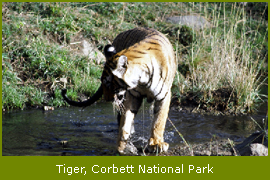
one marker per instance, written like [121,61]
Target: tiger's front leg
[126,124]
[126,128]
[161,109]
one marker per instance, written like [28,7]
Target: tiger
[140,63]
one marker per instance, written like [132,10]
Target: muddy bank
[219,102]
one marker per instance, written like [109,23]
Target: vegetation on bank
[220,67]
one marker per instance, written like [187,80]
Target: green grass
[42,42]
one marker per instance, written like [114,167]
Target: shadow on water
[93,131]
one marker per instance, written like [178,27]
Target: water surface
[92,131]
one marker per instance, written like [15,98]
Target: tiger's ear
[121,67]
[109,51]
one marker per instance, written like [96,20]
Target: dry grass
[225,57]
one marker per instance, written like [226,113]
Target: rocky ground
[255,145]
[214,148]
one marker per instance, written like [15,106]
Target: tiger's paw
[157,146]
[127,148]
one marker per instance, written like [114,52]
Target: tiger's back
[128,38]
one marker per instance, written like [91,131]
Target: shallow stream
[93,131]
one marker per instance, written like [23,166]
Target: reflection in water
[93,131]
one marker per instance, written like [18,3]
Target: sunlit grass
[225,57]
[38,49]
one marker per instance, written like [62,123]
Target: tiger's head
[114,88]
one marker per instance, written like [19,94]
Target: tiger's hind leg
[126,124]
[161,109]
